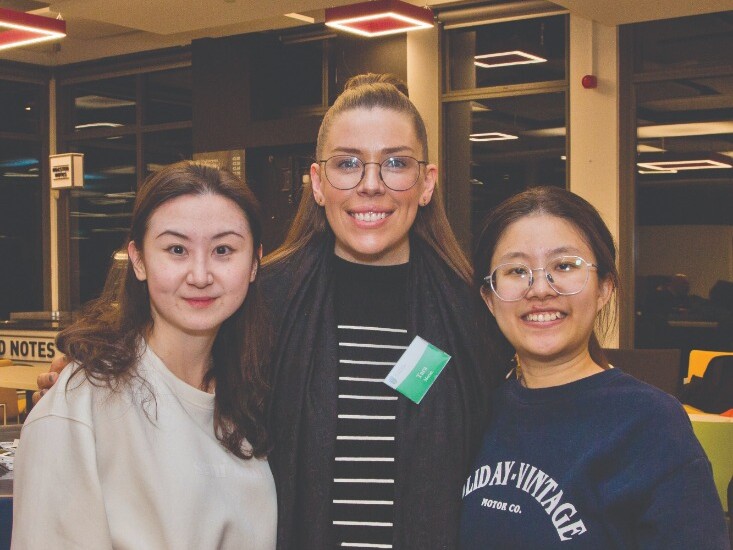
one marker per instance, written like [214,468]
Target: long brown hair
[568,206]
[370,91]
[105,340]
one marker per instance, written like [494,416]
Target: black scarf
[436,440]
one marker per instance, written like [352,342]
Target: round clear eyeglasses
[566,275]
[397,173]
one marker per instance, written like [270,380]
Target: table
[21,377]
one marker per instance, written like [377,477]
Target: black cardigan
[436,440]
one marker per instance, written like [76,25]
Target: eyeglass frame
[489,279]
[363,171]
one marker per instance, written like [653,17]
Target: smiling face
[371,222]
[544,327]
[198,260]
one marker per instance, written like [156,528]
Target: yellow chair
[9,407]
[715,434]
[9,404]
[699,360]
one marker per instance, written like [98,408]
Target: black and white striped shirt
[371,314]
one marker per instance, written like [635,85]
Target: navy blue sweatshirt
[603,462]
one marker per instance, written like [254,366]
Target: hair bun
[367,79]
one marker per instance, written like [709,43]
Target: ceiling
[104,28]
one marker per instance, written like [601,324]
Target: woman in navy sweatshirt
[579,454]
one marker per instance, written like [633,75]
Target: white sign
[28,347]
[67,170]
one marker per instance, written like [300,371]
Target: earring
[518,370]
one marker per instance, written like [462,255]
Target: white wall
[703,252]
[594,127]
[593,137]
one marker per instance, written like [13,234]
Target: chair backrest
[658,367]
[699,361]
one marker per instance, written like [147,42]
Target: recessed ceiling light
[97,125]
[505,59]
[694,164]
[491,136]
[685,129]
[657,171]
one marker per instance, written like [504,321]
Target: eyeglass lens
[566,275]
[397,173]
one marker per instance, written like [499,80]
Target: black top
[371,316]
[435,441]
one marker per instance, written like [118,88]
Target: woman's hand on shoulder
[46,380]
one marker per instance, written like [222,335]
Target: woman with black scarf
[369,263]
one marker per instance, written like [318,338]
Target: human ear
[488,298]
[136,258]
[605,291]
[428,185]
[256,265]
[317,184]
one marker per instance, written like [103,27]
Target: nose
[540,287]
[371,183]
[199,273]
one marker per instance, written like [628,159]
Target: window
[127,127]
[21,248]
[167,96]
[23,208]
[107,103]
[504,115]
[684,182]
[517,52]
[20,107]
[506,144]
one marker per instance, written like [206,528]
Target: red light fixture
[18,28]
[379,18]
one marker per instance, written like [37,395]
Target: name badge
[417,369]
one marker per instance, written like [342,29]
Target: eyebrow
[172,233]
[551,253]
[385,151]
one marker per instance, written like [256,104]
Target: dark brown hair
[372,91]
[105,340]
[568,206]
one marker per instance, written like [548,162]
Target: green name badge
[417,369]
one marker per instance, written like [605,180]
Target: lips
[544,316]
[369,216]
[199,302]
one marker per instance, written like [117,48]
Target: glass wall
[514,52]
[683,87]
[127,127]
[504,115]
[22,116]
